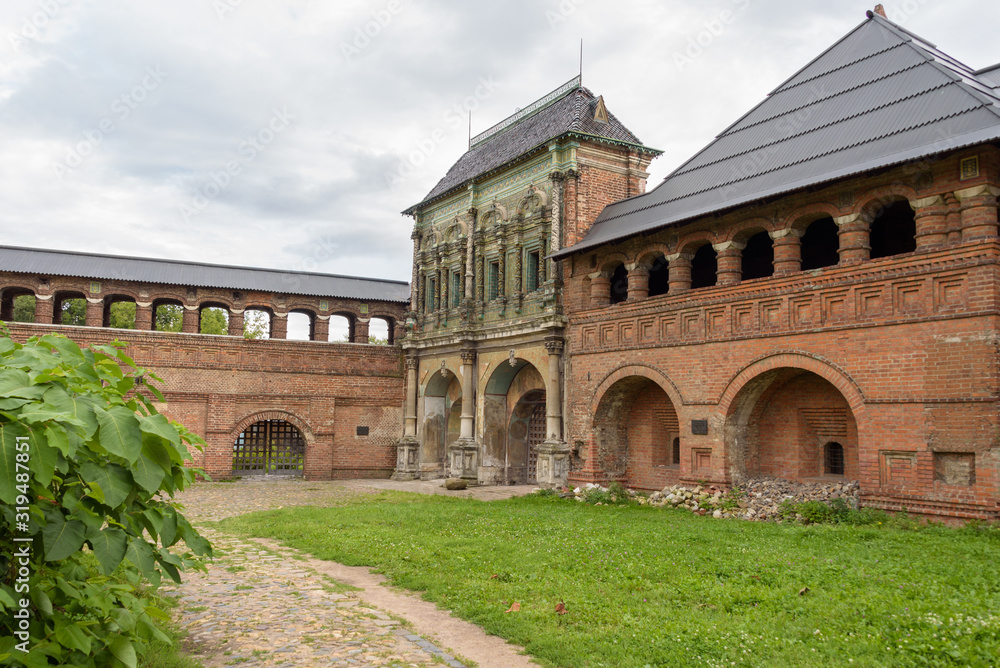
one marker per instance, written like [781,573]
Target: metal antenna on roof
[581,61]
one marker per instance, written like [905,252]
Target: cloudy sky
[291,133]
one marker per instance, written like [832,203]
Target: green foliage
[256,325]
[658,587]
[838,511]
[24,308]
[87,462]
[74,312]
[213,321]
[731,499]
[122,315]
[169,317]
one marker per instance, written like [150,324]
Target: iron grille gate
[269,447]
[536,436]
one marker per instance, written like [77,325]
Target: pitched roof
[880,96]
[568,109]
[173,272]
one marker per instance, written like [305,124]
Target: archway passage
[638,434]
[525,434]
[792,424]
[269,447]
[513,424]
[442,420]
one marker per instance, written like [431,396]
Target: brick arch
[611,260]
[260,416]
[823,368]
[696,240]
[629,370]
[871,200]
[160,294]
[646,254]
[802,217]
[744,229]
[31,287]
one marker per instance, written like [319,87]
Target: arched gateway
[269,447]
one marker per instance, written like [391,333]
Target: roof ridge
[197,264]
[837,69]
[527,111]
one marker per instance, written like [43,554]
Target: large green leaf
[78,407]
[123,651]
[17,383]
[115,482]
[147,472]
[62,538]
[68,350]
[120,434]
[109,546]
[8,460]
[141,554]
[43,460]
[160,425]
[72,635]
[168,534]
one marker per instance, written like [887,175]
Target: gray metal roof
[567,110]
[175,272]
[880,96]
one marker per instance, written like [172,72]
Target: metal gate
[269,447]
[536,436]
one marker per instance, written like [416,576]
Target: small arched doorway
[524,434]
[269,447]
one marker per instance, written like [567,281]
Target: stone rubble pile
[757,499]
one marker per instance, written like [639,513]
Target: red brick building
[812,296]
[312,405]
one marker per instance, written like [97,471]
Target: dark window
[676,451]
[893,231]
[820,244]
[833,457]
[531,275]
[703,267]
[431,294]
[494,280]
[659,277]
[619,284]
[456,289]
[758,257]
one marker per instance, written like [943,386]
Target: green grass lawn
[656,587]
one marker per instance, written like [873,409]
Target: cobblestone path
[262,604]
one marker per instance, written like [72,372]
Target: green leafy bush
[87,463]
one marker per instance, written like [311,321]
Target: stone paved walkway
[262,604]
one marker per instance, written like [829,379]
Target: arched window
[168,315]
[70,308]
[301,326]
[893,230]
[341,329]
[18,305]
[256,323]
[820,244]
[758,257]
[703,267]
[833,458]
[659,277]
[676,451]
[380,332]
[213,319]
[619,284]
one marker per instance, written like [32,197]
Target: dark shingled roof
[569,112]
[173,272]
[880,96]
